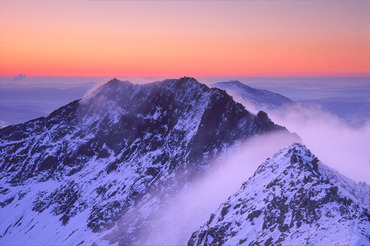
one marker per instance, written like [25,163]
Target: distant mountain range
[261,99]
[351,109]
[97,171]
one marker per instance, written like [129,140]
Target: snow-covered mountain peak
[184,85]
[109,90]
[114,152]
[290,199]
[260,99]
[114,89]
[237,83]
[297,156]
[294,155]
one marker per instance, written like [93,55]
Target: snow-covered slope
[261,99]
[292,199]
[71,177]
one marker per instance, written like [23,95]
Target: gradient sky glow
[177,38]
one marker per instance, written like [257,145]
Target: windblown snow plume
[184,212]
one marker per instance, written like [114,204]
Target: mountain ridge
[96,159]
[290,199]
[260,99]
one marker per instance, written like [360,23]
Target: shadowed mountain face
[74,173]
[292,199]
[261,99]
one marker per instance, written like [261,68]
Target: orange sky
[177,38]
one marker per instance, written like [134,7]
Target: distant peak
[240,84]
[232,82]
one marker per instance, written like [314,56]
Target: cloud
[3,124]
[246,103]
[170,218]
[335,141]
[337,144]
[188,210]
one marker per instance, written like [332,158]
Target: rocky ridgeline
[292,199]
[74,173]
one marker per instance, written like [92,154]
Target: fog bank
[191,208]
[334,142]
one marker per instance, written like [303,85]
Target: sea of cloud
[335,142]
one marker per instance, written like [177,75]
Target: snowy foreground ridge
[101,170]
[292,199]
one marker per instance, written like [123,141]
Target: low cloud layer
[334,142]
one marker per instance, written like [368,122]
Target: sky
[177,38]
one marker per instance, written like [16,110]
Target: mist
[337,144]
[191,208]
[336,141]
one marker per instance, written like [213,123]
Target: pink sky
[177,38]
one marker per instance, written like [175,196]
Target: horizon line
[206,77]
